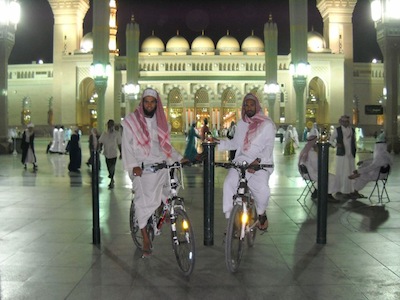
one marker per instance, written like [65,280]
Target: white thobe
[261,146]
[54,144]
[312,167]
[150,188]
[369,169]
[111,141]
[61,144]
[344,164]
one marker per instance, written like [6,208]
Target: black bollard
[323,158]
[208,193]
[95,195]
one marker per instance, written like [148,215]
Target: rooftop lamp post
[386,15]
[131,89]
[9,17]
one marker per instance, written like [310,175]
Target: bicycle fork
[184,224]
[242,192]
[244,221]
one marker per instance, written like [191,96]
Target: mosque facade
[197,80]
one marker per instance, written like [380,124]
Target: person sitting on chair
[369,169]
[309,158]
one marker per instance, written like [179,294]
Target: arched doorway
[86,114]
[316,106]
[229,110]
[175,110]
[202,106]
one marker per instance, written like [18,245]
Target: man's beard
[250,113]
[149,114]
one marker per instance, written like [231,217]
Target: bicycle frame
[171,202]
[182,235]
[239,224]
[243,195]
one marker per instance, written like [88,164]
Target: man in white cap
[28,147]
[146,141]
[254,143]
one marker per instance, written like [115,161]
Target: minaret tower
[68,25]
[67,35]
[113,27]
[271,64]
[338,33]
[132,62]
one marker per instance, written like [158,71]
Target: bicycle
[174,212]
[243,220]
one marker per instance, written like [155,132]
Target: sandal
[356,195]
[263,222]
[146,253]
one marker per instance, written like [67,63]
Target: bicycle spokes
[183,241]
[234,239]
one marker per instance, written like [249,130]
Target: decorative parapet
[368,70]
[33,71]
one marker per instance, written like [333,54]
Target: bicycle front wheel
[253,217]
[234,245]
[183,241]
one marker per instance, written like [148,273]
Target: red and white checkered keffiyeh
[136,123]
[311,141]
[254,122]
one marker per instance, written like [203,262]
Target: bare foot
[263,222]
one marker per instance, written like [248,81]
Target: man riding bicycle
[254,143]
[146,141]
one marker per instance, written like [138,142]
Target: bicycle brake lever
[255,167]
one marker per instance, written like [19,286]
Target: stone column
[101,16]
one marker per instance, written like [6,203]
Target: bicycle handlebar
[244,165]
[164,165]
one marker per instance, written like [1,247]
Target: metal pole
[208,194]
[323,158]
[95,193]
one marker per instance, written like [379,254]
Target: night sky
[34,37]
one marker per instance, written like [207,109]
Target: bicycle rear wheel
[136,233]
[253,217]
[234,246]
[134,226]
[183,241]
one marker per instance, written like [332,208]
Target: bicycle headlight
[185,224]
[245,218]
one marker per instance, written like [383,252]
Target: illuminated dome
[153,44]
[316,42]
[253,44]
[87,42]
[203,44]
[228,44]
[177,44]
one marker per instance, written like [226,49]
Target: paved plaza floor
[46,249]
